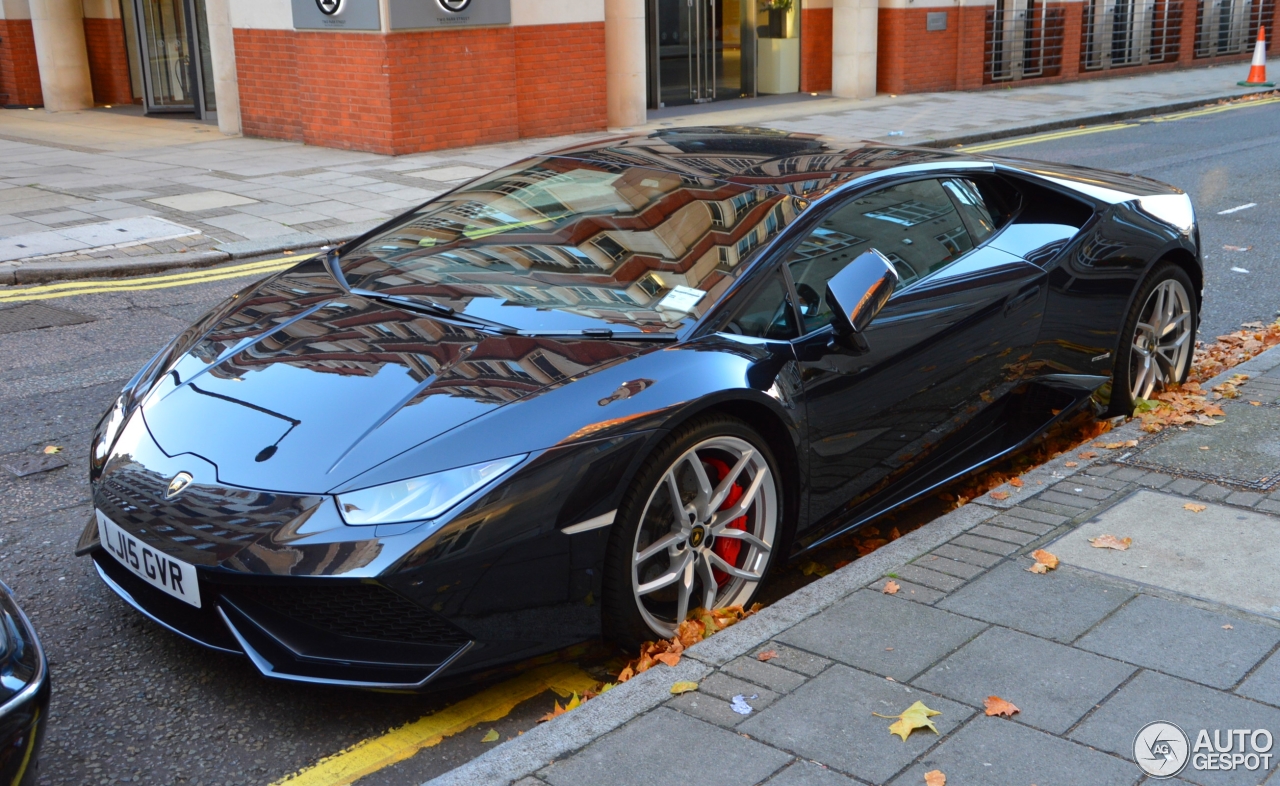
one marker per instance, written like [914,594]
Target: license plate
[159,570]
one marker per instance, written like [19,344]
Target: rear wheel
[698,528]
[1159,339]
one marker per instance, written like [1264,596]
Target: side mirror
[858,292]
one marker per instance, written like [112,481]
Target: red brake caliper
[726,549]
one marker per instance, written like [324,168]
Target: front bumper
[349,633]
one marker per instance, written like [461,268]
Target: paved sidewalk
[85,170]
[1183,627]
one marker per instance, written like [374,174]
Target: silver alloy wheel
[675,565]
[1161,340]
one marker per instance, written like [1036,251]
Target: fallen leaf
[814,569]
[935,778]
[915,717]
[492,736]
[1045,558]
[1071,464]
[51,449]
[1015,482]
[767,655]
[1088,454]
[1255,403]
[1195,507]
[891,588]
[1228,627]
[1110,542]
[680,687]
[669,658]
[998,706]
[999,495]
[1204,447]
[1113,445]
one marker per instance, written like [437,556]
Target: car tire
[695,553]
[1158,340]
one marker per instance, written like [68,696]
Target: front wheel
[698,528]
[1158,339]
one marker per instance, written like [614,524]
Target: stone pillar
[222,51]
[624,62]
[854,37]
[58,29]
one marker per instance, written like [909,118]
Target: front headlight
[420,498]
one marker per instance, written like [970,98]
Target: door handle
[1020,298]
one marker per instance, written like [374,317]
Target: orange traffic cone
[1258,69]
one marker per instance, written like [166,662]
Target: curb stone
[12,273]
[1092,119]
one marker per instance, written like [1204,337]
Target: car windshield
[561,244]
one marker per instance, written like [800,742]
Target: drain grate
[33,316]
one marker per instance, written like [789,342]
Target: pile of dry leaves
[700,624]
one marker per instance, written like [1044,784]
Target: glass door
[697,52]
[174,80]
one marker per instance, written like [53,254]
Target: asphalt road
[136,704]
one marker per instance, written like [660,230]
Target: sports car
[24,694]
[603,387]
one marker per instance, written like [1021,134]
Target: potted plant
[777,11]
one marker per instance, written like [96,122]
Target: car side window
[767,313]
[915,225]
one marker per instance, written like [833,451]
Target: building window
[908,213]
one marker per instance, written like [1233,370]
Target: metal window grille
[1122,33]
[1024,40]
[1230,27]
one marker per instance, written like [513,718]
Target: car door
[948,343]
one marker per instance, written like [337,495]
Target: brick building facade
[563,66]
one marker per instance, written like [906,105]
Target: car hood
[301,386]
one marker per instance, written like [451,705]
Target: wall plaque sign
[336,15]
[417,14]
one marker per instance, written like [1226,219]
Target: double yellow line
[1050,136]
[98,287]
[402,743]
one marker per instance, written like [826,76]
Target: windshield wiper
[435,309]
[603,333]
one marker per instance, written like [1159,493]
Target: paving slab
[883,634]
[201,200]
[1264,683]
[998,752]
[663,742]
[1222,554]
[806,773]
[829,720]
[1182,640]
[1053,685]
[1009,595]
[1150,697]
